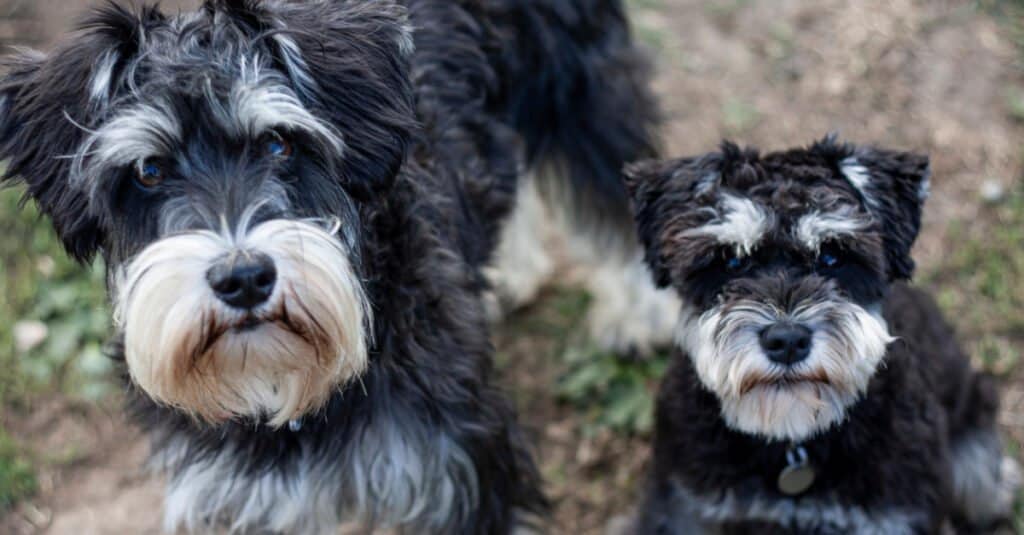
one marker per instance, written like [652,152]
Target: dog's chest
[393,476]
[735,513]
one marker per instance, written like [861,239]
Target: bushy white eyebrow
[817,227]
[739,222]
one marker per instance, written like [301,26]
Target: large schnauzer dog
[296,202]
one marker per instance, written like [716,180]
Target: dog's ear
[894,186]
[349,61]
[46,104]
[662,192]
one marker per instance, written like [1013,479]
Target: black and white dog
[296,202]
[811,391]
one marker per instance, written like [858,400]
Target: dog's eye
[735,263]
[277,147]
[828,259]
[150,174]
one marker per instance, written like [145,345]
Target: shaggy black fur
[894,452]
[433,139]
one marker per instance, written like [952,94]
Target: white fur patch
[103,78]
[406,43]
[392,475]
[848,344]
[187,349]
[985,483]
[924,190]
[811,515]
[816,227]
[523,262]
[139,132]
[739,222]
[629,313]
[298,70]
[257,104]
[860,177]
[538,241]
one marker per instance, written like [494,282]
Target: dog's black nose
[786,343]
[244,281]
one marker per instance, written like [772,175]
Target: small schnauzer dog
[811,391]
[296,203]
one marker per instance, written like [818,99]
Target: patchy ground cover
[941,76]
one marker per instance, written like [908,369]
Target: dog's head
[220,162]
[783,262]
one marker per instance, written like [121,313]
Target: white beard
[188,350]
[762,398]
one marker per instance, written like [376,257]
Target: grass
[982,283]
[611,392]
[17,478]
[45,291]
[608,392]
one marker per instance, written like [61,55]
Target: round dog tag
[295,426]
[794,480]
[799,475]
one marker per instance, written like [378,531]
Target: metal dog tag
[799,475]
[295,425]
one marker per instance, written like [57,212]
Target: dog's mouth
[784,381]
[250,322]
[277,317]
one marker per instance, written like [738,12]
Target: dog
[812,390]
[297,204]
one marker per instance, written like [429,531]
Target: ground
[940,76]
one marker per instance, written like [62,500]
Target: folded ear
[662,192]
[894,186]
[47,102]
[348,59]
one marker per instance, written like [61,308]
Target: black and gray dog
[295,201]
[812,391]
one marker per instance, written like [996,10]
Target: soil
[929,75]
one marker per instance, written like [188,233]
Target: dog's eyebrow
[817,227]
[256,108]
[142,131]
[737,221]
[261,100]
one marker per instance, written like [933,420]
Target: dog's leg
[525,259]
[628,314]
[985,481]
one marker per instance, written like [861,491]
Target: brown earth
[929,75]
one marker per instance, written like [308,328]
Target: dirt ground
[930,75]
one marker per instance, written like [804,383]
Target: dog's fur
[370,150]
[571,218]
[899,428]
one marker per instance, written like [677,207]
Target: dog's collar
[799,473]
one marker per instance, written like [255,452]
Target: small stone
[28,335]
[46,265]
[992,191]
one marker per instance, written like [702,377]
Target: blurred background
[944,77]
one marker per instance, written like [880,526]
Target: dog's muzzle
[785,372]
[266,323]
